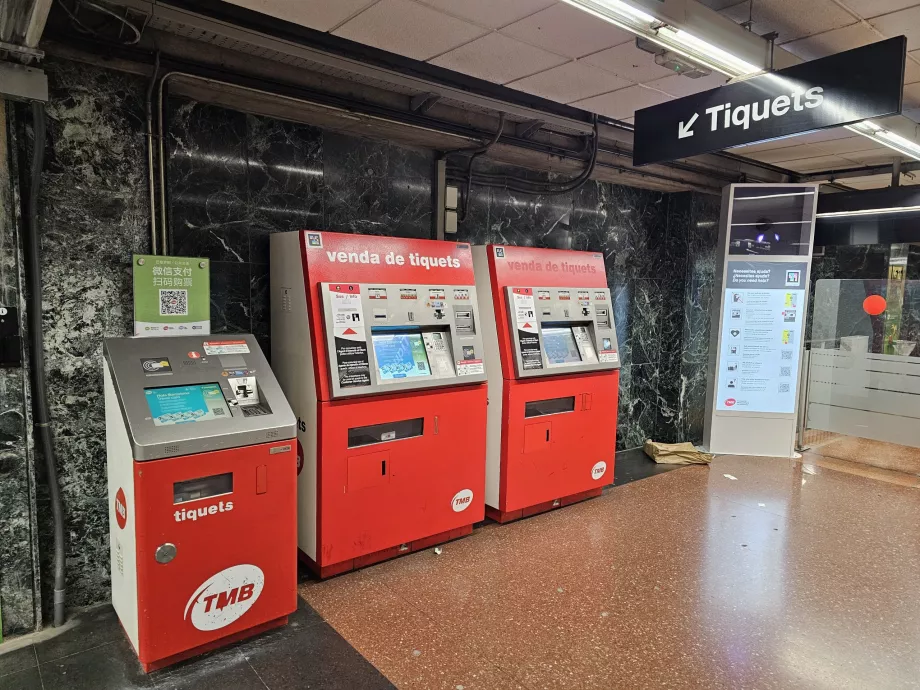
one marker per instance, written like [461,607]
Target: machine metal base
[502,517]
[322,572]
[214,644]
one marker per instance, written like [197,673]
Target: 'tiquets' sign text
[841,89]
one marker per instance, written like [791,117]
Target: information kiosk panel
[377,342]
[202,500]
[552,360]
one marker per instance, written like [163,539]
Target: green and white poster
[172,295]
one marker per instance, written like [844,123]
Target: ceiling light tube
[636,21]
[880,135]
[869,212]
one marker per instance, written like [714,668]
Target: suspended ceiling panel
[551,49]
[499,59]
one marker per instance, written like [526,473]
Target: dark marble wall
[19,572]
[643,236]
[232,180]
[94,215]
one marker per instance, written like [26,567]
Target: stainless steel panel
[190,365]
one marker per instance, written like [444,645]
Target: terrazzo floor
[751,573]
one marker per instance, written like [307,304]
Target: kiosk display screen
[400,355]
[186,404]
[560,345]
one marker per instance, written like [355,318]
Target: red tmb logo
[121,509]
[225,599]
[730,402]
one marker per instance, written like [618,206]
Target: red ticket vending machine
[552,360]
[202,496]
[376,342]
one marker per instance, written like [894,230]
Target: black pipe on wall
[42,418]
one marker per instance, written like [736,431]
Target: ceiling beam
[866,171]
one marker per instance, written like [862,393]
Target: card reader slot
[386,432]
[541,408]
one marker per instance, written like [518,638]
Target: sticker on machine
[598,471]
[351,357]
[346,306]
[461,500]
[121,508]
[225,597]
[525,317]
[470,365]
[225,347]
[608,353]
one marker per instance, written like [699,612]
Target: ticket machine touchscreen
[400,355]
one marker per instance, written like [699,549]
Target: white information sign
[763,319]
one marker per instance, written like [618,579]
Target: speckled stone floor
[751,573]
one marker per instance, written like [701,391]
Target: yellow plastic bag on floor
[676,453]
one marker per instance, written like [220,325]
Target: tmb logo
[461,500]
[730,402]
[225,597]
[121,509]
[598,470]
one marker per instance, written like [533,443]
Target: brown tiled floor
[788,576]
[889,456]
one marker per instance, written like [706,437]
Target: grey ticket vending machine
[202,471]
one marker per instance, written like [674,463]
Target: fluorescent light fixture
[870,212]
[880,135]
[635,20]
[714,56]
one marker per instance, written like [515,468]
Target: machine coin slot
[586,399]
[383,433]
[261,479]
[202,487]
[541,408]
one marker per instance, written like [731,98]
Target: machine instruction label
[527,332]
[351,356]
[225,347]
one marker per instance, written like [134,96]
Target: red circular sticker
[299,458]
[194,355]
[730,402]
[874,305]
[121,509]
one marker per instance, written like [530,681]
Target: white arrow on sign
[683,130]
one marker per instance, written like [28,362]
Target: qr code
[787,354]
[785,371]
[173,302]
[784,388]
[218,411]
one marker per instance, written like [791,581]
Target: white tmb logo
[598,470]
[225,597]
[461,500]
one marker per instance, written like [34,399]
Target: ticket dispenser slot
[203,487]
[541,408]
[383,433]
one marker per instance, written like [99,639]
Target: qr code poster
[173,302]
[172,295]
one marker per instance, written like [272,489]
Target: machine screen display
[560,346]
[186,404]
[400,355]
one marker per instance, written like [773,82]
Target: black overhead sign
[837,90]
